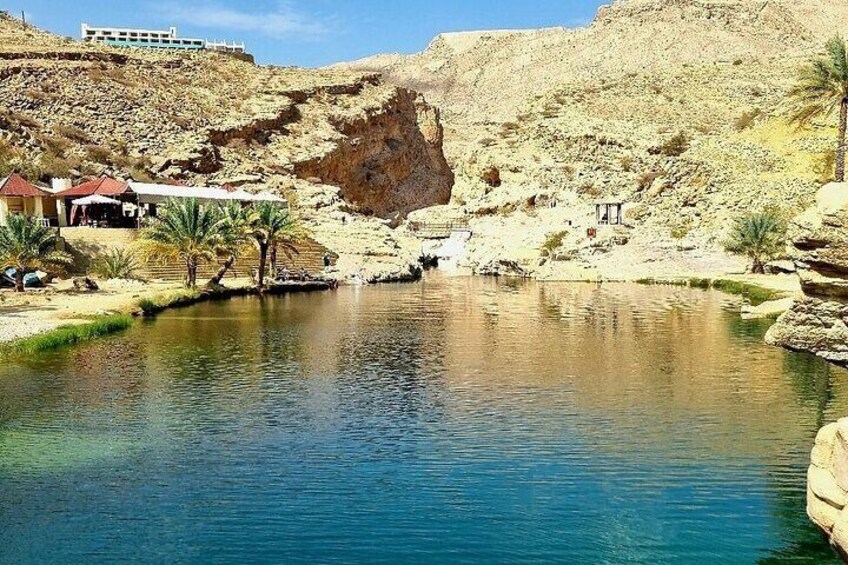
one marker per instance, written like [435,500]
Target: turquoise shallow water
[452,421]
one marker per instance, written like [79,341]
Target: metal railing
[438,230]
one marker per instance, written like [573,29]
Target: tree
[235,235]
[760,236]
[186,231]
[822,89]
[27,246]
[273,227]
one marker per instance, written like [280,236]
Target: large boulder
[827,484]
[819,323]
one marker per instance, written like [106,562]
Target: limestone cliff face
[827,484]
[389,161]
[819,322]
[577,115]
[73,109]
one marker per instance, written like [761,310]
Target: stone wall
[86,244]
[827,484]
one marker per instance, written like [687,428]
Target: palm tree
[187,231]
[27,246]
[822,88]
[761,237]
[235,233]
[274,226]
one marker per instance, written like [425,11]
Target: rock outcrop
[388,162]
[819,323]
[675,106]
[75,109]
[827,484]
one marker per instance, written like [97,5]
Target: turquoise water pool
[451,421]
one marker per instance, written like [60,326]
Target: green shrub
[760,236]
[25,120]
[56,143]
[553,242]
[679,231]
[645,180]
[71,132]
[99,154]
[747,119]
[117,263]
[676,146]
[52,164]
[755,294]
[825,166]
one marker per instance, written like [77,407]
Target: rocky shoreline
[827,485]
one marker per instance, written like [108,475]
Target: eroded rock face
[819,323]
[827,484]
[205,118]
[390,163]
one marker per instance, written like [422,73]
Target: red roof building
[14,186]
[105,186]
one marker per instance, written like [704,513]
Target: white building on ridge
[154,39]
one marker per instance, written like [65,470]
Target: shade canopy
[157,193]
[95,199]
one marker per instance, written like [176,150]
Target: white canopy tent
[95,199]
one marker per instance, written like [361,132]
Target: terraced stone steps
[310,258]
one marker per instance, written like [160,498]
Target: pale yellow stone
[839,534]
[820,512]
[823,484]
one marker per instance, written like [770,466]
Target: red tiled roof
[107,186]
[15,186]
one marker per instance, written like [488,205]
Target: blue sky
[309,32]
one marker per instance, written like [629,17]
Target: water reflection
[456,420]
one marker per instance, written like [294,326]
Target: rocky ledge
[827,484]
[819,322]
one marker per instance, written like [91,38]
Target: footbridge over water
[439,230]
[443,242]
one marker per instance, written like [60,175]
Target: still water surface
[451,421]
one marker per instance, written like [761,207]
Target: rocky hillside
[673,107]
[347,149]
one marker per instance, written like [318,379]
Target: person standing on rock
[328,261]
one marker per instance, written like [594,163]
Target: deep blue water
[452,421]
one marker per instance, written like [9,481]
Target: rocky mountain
[350,151]
[674,107]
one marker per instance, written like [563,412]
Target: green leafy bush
[553,242]
[118,263]
[760,236]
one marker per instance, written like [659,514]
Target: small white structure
[225,47]
[609,213]
[153,38]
